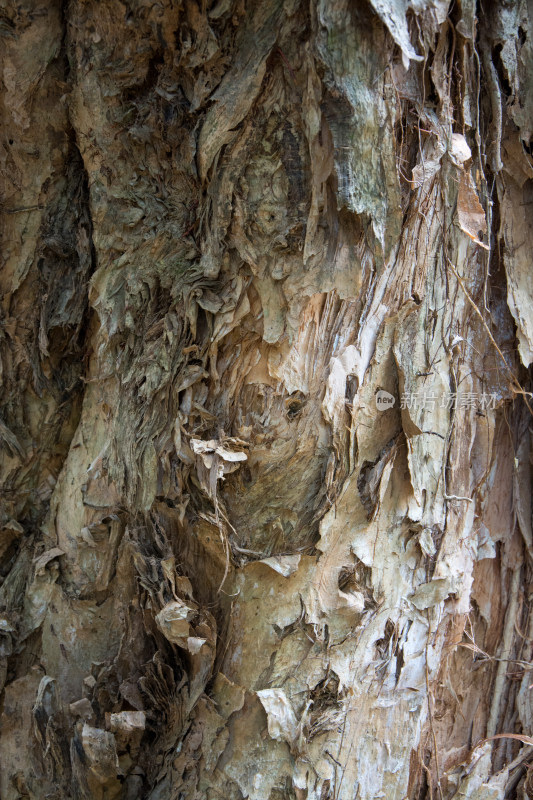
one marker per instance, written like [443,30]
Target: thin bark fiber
[230,230]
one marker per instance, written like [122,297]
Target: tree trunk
[266,307]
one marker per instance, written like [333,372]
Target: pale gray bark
[225,571]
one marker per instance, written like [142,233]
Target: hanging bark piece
[470,212]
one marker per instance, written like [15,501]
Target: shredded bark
[265,421]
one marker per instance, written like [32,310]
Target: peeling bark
[266,331]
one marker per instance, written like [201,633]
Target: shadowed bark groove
[265,422]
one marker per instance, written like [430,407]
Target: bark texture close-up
[266,328]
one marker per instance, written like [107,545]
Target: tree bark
[265,422]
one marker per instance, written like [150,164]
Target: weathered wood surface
[225,571]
